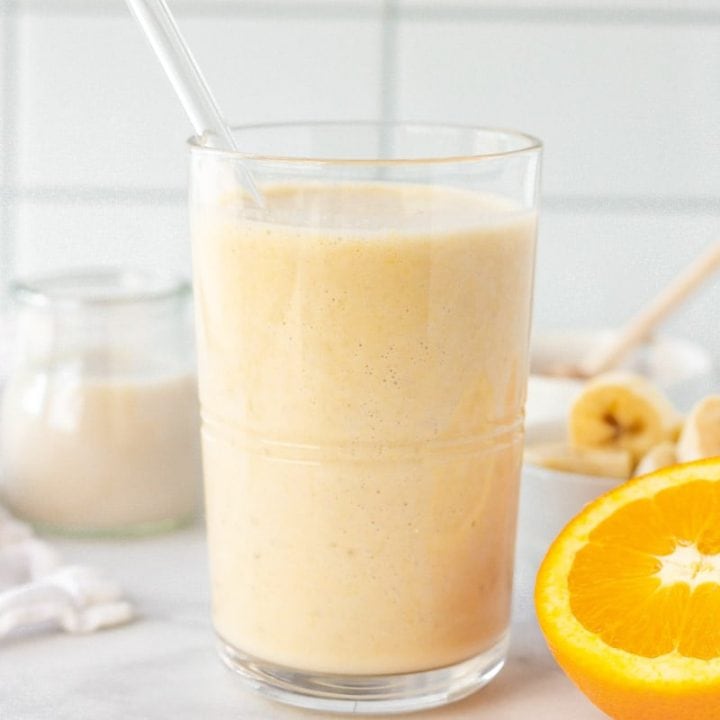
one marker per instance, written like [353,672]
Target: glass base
[138,530]
[367,694]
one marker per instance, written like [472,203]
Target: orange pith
[628,596]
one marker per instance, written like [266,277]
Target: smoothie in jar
[363,359]
[99,422]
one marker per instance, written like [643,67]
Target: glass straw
[163,34]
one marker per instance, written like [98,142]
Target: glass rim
[529,143]
[113,287]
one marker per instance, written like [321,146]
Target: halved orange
[628,596]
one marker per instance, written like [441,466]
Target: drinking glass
[363,358]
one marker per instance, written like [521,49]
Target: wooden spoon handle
[644,322]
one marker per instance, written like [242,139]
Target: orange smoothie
[362,394]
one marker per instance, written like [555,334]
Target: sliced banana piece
[611,462]
[659,456]
[700,436]
[622,411]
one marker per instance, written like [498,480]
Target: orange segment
[701,634]
[645,523]
[628,596]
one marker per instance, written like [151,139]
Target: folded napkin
[36,588]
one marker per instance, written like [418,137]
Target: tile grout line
[625,204]
[326,9]
[271,9]
[9,95]
[562,15]
[572,204]
[98,194]
[8,104]
[388,61]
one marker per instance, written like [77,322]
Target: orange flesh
[640,599]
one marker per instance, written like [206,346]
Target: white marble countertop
[164,664]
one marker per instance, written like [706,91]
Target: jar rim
[99,287]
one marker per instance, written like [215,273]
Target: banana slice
[700,436]
[657,457]
[612,462]
[622,411]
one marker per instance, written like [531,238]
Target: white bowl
[680,367]
[549,499]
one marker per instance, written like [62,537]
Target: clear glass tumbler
[363,357]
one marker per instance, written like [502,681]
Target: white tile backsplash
[598,269]
[627,110]
[55,236]
[95,108]
[627,99]
[305,68]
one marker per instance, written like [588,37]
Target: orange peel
[628,596]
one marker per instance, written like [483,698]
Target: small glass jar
[99,420]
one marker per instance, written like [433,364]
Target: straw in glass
[163,34]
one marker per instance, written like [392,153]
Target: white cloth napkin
[36,588]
